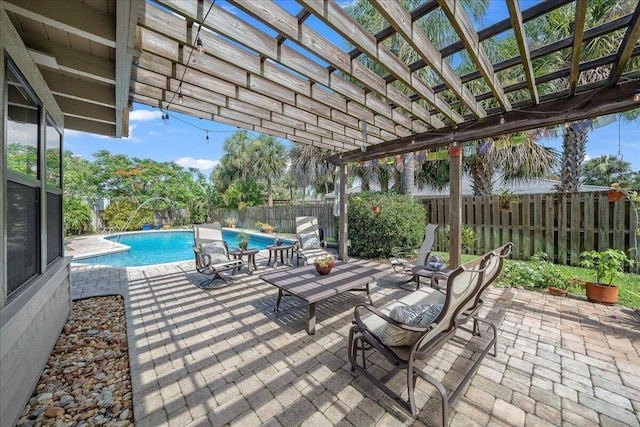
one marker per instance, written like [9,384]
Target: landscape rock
[86,382]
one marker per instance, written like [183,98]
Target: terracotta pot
[323,271]
[601,294]
[376,209]
[557,292]
[614,195]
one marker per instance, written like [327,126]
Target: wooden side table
[251,258]
[283,250]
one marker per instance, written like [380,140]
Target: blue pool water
[158,247]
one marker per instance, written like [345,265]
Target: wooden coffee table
[306,284]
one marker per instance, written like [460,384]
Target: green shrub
[400,223]
[118,216]
[468,238]
[541,273]
[77,216]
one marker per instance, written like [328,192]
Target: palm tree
[560,24]
[270,162]
[436,26]
[239,152]
[309,167]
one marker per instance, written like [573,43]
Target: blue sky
[183,139]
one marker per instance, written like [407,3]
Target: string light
[180,98]
[636,96]
[200,45]
[207,136]
[502,119]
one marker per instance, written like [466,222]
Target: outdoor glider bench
[408,331]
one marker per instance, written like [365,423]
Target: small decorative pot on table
[324,265]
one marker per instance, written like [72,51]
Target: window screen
[23,238]
[54,226]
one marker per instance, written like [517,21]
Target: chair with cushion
[408,331]
[310,244]
[212,258]
[206,233]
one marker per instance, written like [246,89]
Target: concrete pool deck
[222,356]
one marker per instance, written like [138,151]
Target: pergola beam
[581,14]
[627,46]
[404,25]
[461,22]
[583,105]
[518,31]
[278,19]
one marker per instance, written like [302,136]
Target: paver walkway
[212,357]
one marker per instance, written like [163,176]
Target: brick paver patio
[222,356]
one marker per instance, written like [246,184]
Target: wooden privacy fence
[283,218]
[560,224]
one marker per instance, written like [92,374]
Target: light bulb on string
[207,138]
[180,98]
[502,119]
[200,45]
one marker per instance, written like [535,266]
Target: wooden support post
[343,232]
[455,213]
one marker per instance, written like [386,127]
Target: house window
[22,142]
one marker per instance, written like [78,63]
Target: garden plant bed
[86,380]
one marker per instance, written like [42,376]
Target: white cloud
[202,164]
[144,115]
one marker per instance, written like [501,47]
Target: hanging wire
[619,156]
[200,48]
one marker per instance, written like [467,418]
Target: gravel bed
[86,381]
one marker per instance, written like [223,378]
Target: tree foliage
[605,169]
[77,216]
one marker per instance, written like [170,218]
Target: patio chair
[310,244]
[212,258]
[399,261]
[207,233]
[405,343]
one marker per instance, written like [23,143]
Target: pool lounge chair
[310,244]
[407,347]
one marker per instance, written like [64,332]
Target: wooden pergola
[272,68]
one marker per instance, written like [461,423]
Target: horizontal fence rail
[559,224]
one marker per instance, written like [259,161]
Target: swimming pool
[159,247]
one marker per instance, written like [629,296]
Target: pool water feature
[159,247]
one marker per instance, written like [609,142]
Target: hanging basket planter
[615,195]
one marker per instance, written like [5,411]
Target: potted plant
[607,265]
[230,222]
[243,241]
[324,265]
[505,199]
[549,276]
[264,227]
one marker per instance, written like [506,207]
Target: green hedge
[118,215]
[400,223]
